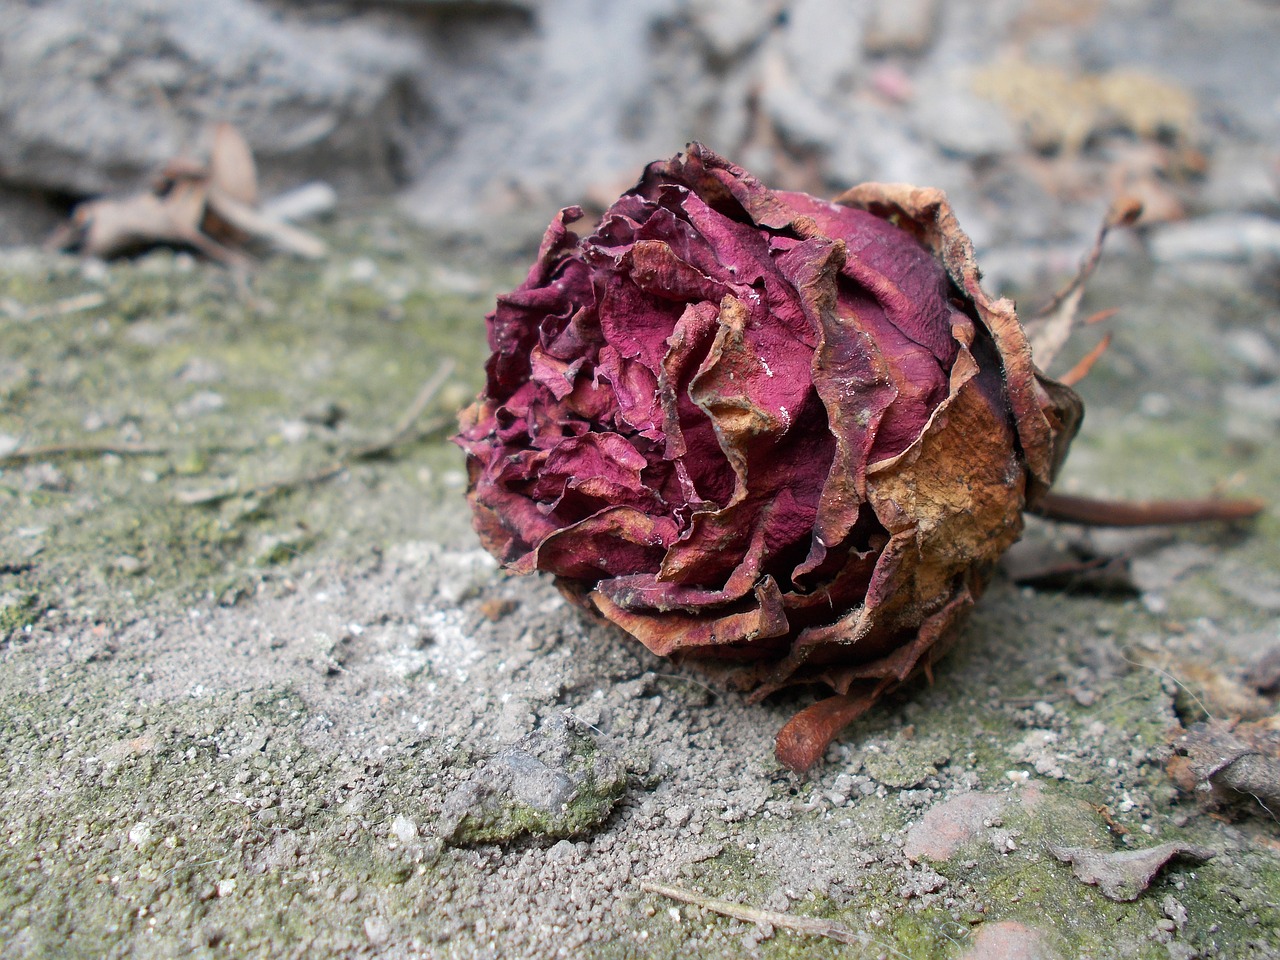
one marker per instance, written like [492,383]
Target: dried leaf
[1074,568]
[1124,874]
[186,202]
[109,228]
[231,167]
[211,209]
[1228,766]
[259,226]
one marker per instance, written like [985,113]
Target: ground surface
[255,722]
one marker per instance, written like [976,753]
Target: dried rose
[784,437]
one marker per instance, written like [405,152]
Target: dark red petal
[617,541]
[664,633]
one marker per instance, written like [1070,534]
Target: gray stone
[1242,176]
[731,26]
[556,782]
[800,117]
[1222,53]
[901,26]
[1254,349]
[1228,237]
[404,829]
[948,113]
[873,143]
[533,119]
[823,45]
[377,929]
[1257,587]
[490,114]
[94,95]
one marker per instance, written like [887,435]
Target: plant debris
[1123,875]
[1060,111]
[1230,767]
[211,208]
[1073,567]
[809,926]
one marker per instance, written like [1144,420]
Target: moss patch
[156,382]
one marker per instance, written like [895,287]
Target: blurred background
[479,118]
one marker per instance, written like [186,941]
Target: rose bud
[782,437]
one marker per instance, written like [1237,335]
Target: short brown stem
[803,741]
[1146,513]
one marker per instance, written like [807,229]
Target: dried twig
[810,926]
[1085,364]
[79,451]
[1109,513]
[1051,326]
[402,432]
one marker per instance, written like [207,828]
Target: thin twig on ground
[79,451]
[810,926]
[403,432]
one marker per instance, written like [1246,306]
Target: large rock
[94,94]
[536,118]
[488,115]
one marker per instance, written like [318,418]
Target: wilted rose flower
[785,437]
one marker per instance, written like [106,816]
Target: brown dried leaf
[211,209]
[108,228]
[231,167]
[1124,874]
[257,225]
[186,204]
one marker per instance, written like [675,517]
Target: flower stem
[1143,513]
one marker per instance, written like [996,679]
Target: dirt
[256,726]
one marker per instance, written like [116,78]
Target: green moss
[486,812]
[172,354]
[18,611]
